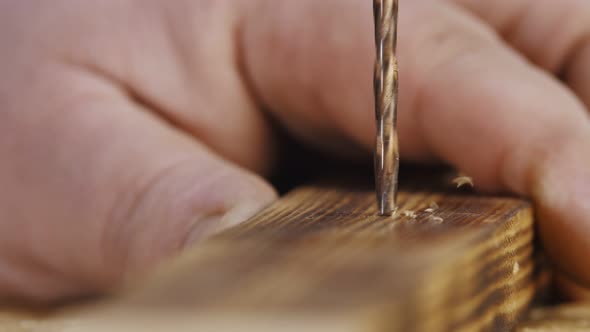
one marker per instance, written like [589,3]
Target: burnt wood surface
[321,258]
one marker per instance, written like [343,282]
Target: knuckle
[451,38]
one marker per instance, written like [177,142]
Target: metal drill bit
[386,91]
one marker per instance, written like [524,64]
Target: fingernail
[217,222]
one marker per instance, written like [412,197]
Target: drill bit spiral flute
[386,93]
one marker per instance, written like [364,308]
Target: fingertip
[258,194]
[217,223]
[561,189]
[570,290]
[194,200]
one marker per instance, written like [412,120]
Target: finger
[176,57]
[570,290]
[465,98]
[94,187]
[554,35]
[315,77]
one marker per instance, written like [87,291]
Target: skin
[130,129]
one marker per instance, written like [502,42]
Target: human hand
[131,128]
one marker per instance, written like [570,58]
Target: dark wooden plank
[443,263]
[321,259]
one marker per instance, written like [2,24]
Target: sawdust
[463,180]
[433,207]
[410,214]
[515,268]
[436,219]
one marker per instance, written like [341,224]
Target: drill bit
[386,91]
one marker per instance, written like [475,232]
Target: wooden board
[321,259]
[564,318]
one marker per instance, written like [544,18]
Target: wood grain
[564,318]
[322,256]
[321,259]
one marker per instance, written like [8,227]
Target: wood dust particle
[410,214]
[436,219]
[515,268]
[463,180]
[433,207]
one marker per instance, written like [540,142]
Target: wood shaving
[410,214]
[433,207]
[515,268]
[463,180]
[436,219]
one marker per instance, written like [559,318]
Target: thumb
[96,187]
